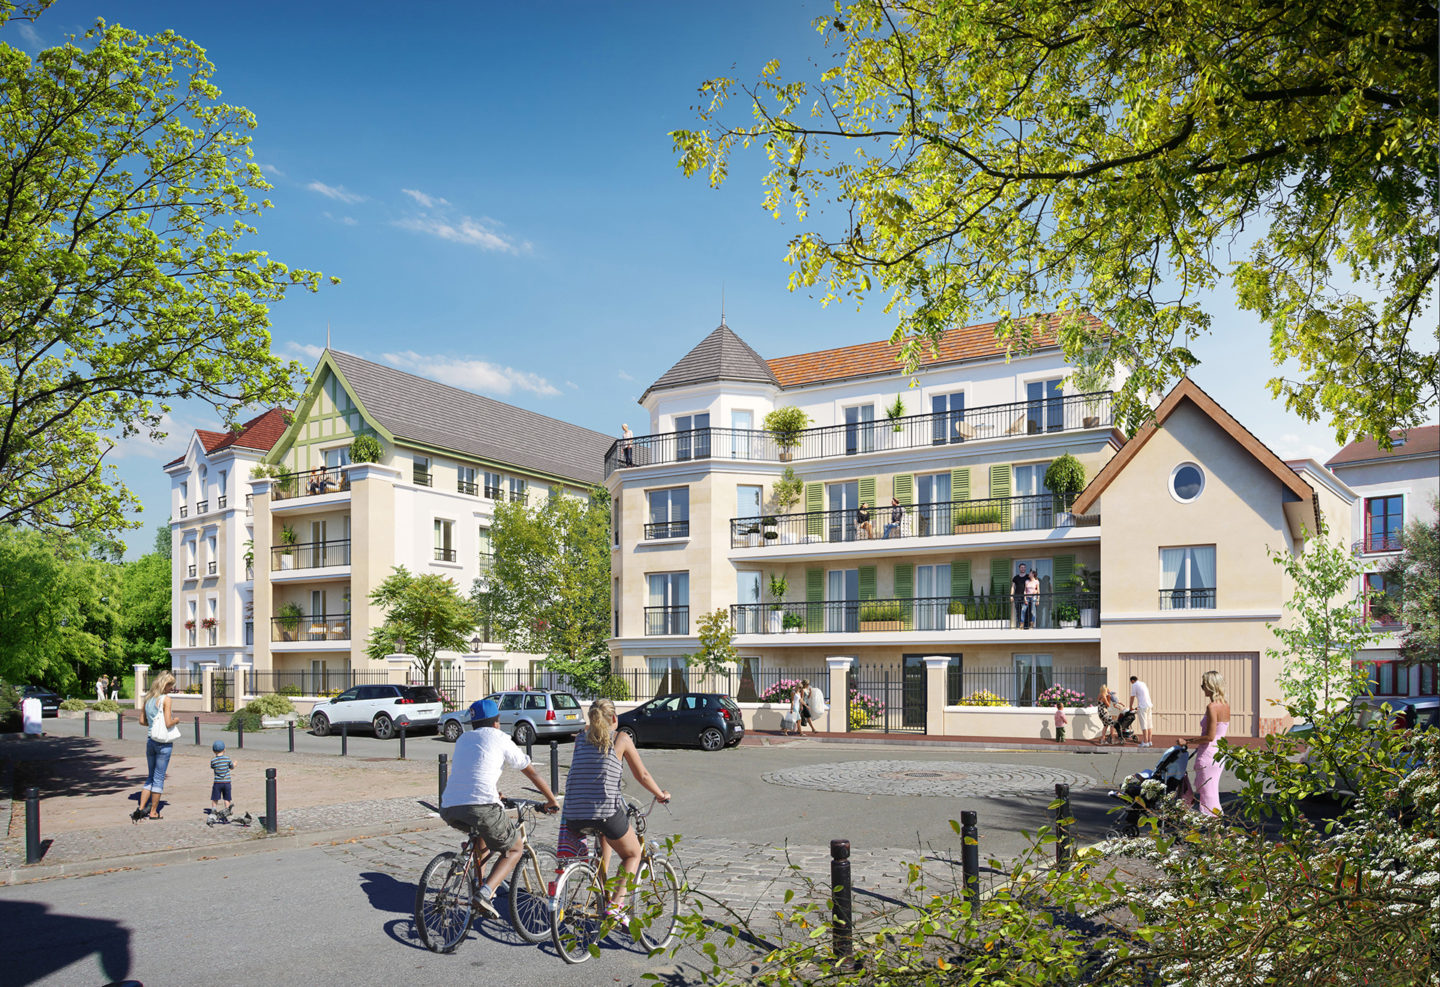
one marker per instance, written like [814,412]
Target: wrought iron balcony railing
[1198,598]
[1047,611]
[310,627]
[310,555]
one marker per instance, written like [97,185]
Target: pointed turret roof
[722,355]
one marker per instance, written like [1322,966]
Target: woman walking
[1213,727]
[592,794]
[159,744]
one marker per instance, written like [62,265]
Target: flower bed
[1059,695]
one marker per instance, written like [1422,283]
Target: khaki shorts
[1142,718]
[489,821]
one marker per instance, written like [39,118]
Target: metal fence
[1049,611]
[223,691]
[451,686]
[311,483]
[1021,684]
[886,698]
[322,682]
[746,685]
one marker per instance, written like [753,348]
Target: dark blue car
[707,720]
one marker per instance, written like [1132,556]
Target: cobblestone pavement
[939,779]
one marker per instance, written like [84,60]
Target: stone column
[243,685]
[141,684]
[207,687]
[936,667]
[397,668]
[838,714]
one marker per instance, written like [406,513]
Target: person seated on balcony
[897,515]
[316,482]
[862,520]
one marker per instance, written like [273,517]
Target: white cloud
[307,350]
[342,220]
[624,376]
[572,385]
[141,446]
[471,232]
[480,376]
[1292,446]
[270,169]
[337,192]
[31,36]
[428,201]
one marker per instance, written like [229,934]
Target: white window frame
[1170,482]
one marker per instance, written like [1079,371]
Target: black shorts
[612,829]
[804,714]
[220,790]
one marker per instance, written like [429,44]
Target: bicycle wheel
[529,897]
[657,901]
[442,903]
[578,912]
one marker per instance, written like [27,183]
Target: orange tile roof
[261,433]
[865,359]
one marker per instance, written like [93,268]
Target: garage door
[1174,681]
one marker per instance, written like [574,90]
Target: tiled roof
[722,355]
[867,359]
[1421,441]
[259,433]
[435,414]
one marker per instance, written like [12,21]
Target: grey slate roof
[722,355]
[422,410]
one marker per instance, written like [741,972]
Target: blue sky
[494,185]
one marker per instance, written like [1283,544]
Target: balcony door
[932,494]
[859,429]
[932,596]
[947,411]
[316,630]
[1033,675]
[1045,406]
[747,594]
[668,610]
[842,599]
[317,544]
[741,423]
[1045,569]
[692,436]
[844,500]
[1036,511]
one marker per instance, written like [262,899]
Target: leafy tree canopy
[1414,575]
[548,591]
[127,278]
[428,612]
[969,157]
[145,614]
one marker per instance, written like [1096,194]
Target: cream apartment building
[327,531]
[1159,568]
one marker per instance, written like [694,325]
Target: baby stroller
[1123,723]
[1142,799]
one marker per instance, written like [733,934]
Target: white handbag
[159,732]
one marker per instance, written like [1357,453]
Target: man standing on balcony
[627,444]
[1140,703]
[1017,592]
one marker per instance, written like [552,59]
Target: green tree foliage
[59,618]
[717,647]
[967,157]
[428,612]
[366,449]
[1414,576]
[126,275]
[549,587]
[1323,633]
[145,608]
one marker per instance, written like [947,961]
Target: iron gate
[452,685]
[886,698]
[222,691]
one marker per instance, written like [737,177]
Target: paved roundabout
[943,779]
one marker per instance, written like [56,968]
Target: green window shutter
[905,488]
[905,581]
[814,597]
[1064,572]
[814,508]
[867,490]
[960,484]
[868,582]
[959,577]
[1001,570]
[1000,488]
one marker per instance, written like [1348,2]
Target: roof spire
[327,334]
[722,304]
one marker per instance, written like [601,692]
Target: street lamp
[400,644]
[475,644]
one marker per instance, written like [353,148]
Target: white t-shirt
[1141,692]
[480,756]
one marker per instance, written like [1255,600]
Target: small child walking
[1060,722]
[222,765]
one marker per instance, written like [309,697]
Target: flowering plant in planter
[864,709]
[190,625]
[983,697]
[1059,695]
[780,692]
[208,623]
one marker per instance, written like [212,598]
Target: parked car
[49,701]
[707,720]
[1375,713]
[382,708]
[526,716]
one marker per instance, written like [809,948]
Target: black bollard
[841,930]
[197,731]
[32,826]
[970,859]
[444,774]
[1062,828]
[270,800]
[554,766]
[402,741]
[291,725]
[344,739]
[240,734]
[87,723]
[119,726]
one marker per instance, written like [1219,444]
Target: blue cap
[218,746]
[484,709]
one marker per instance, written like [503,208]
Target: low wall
[1019,722]
[187,702]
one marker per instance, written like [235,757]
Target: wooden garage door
[1174,681]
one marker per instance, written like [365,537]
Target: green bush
[983,514]
[74,705]
[983,697]
[289,689]
[366,449]
[1065,476]
[887,611]
[105,706]
[249,717]
[251,713]
[614,688]
[9,708]
[792,619]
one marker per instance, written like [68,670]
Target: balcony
[461,486]
[1052,611]
[1199,598]
[518,496]
[668,529]
[310,555]
[288,486]
[190,571]
[222,502]
[310,627]
[202,507]
[1037,512]
[1376,542]
[445,555]
[211,568]
[422,478]
[249,503]
[1071,413]
[667,620]
[184,512]
[494,493]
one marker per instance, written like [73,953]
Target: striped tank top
[592,788]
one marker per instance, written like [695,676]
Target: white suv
[381,707]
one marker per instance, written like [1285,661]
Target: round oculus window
[1186,482]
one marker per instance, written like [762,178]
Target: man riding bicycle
[471,800]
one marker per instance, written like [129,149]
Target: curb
[35,873]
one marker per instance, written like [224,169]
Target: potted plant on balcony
[287,555]
[880,616]
[1068,615]
[955,617]
[190,624]
[970,519]
[1065,478]
[209,623]
[786,424]
[792,622]
[785,495]
[1086,582]
[768,527]
[288,617]
[885,438]
[779,586]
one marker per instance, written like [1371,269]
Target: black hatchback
[49,701]
[707,720]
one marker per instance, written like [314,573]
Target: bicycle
[450,882]
[578,917]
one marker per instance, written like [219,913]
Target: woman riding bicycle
[592,792]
